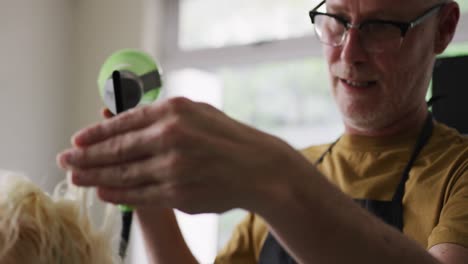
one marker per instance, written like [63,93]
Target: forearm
[320,224]
[163,239]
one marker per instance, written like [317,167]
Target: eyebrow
[384,14]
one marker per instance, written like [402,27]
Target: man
[410,173]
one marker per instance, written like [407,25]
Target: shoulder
[447,151]
[312,153]
[449,154]
[443,132]
[449,143]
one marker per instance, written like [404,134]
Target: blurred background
[257,60]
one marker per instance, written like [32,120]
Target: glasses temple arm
[423,17]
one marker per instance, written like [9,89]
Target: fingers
[126,175]
[170,167]
[165,194]
[127,121]
[130,157]
[141,196]
[122,148]
[132,119]
[170,135]
[156,180]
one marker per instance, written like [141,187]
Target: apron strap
[423,138]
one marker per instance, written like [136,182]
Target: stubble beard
[369,117]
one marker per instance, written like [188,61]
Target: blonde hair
[38,228]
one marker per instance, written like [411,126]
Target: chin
[366,120]
[370,113]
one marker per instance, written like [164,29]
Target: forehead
[385,8]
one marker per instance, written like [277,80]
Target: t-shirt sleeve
[453,221]
[245,243]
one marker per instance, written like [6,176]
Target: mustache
[351,72]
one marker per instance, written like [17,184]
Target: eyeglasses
[376,35]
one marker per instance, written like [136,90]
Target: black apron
[391,212]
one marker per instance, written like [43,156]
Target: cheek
[415,56]
[410,69]
[386,64]
[402,75]
[393,71]
[332,57]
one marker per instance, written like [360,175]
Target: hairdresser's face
[374,90]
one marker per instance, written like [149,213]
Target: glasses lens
[381,36]
[329,30]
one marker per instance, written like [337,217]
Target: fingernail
[75,140]
[61,161]
[80,138]
[68,157]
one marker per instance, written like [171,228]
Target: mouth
[357,84]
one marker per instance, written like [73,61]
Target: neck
[410,121]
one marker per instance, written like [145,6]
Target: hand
[180,154]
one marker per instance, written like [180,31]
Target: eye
[331,24]
[381,31]
[340,14]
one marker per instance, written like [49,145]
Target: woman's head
[38,228]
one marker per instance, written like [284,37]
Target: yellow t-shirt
[435,204]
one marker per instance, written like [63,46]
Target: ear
[446,26]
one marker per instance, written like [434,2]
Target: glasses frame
[403,26]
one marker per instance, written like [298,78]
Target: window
[462,31]
[259,62]
[463,6]
[240,22]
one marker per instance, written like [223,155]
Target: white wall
[36,52]
[51,52]
[104,26]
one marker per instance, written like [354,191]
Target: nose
[352,51]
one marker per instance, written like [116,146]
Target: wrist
[154,214]
[298,190]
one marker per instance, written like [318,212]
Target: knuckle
[134,140]
[125,175]
[146,112]
[149,138]
[207,106]
[97,130]
[172,133]
[82,156]
[175,163]
[178,105]
[113,125]
[130,118]
[117,147]
[173,127]
[127,117]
